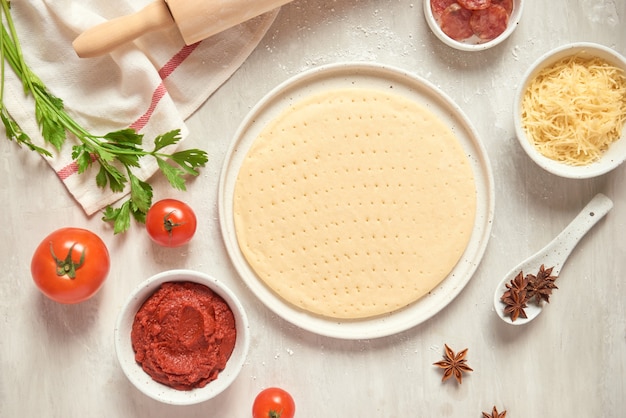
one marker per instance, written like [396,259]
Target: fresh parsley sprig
[117,153]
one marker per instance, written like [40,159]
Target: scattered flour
[602,11]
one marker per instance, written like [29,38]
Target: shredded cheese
[575,109]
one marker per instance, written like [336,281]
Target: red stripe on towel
[176,60]
[68,170]
[161,91]
[143,120]
[157,95]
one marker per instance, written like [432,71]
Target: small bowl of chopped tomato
[182,337]
[570,110]
[472,25]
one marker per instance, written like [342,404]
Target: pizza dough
[354,203]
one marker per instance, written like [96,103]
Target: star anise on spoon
[453,364]
[540,286]
[523,289]
[494,414]
[515,297]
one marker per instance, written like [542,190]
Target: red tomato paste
[183,335]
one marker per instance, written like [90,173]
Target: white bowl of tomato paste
[472,25]
[182,337]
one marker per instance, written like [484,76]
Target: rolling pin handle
[103,38]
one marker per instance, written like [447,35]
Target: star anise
[515,303]
[515,297]
[518,284]
[453,365]
[540,286]
[494,414]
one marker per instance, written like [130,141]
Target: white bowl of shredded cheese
[570,110]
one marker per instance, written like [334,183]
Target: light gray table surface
[59,361]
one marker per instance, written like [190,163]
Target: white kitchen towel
[152,84]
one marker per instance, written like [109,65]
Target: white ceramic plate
[366,76]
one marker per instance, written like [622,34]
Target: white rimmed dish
[386,78]
[140,379]
[613,157]
[473,43]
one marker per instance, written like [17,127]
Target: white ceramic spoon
[553,255]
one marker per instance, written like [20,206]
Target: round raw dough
[354,203]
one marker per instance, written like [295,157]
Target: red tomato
[70,265]
[171,223]
[273,403]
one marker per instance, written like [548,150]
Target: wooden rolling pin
[195,19]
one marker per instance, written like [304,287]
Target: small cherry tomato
[171,223]
[70,265]
[273,403]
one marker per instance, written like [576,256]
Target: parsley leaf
[169,138]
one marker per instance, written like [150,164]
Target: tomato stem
[67,267]
[275,413]
[169,225]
